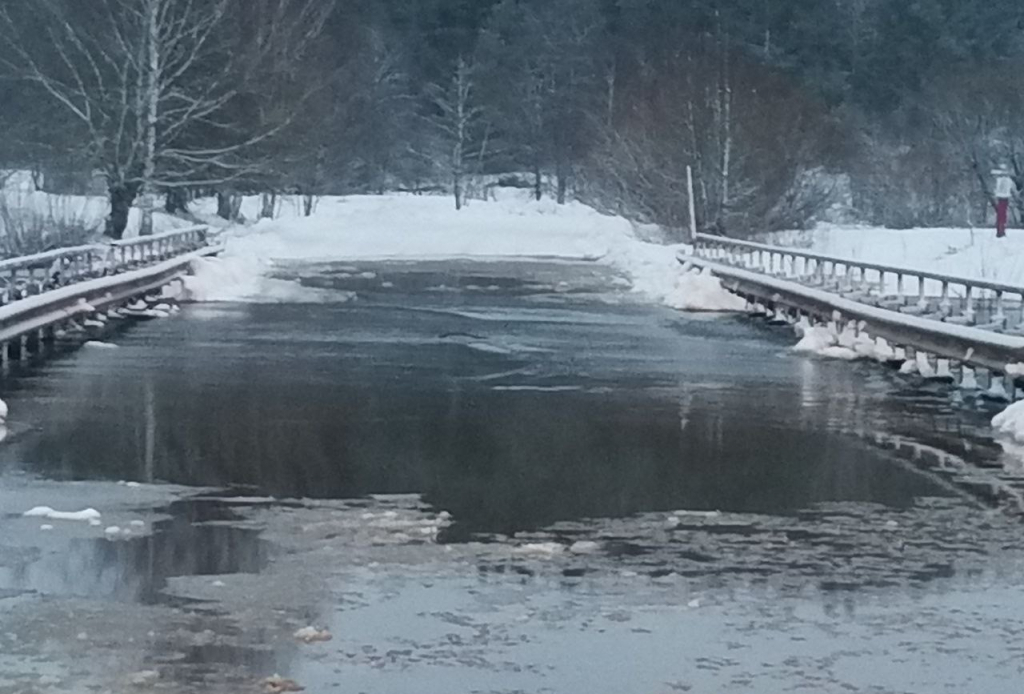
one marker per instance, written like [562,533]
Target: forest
[889,112]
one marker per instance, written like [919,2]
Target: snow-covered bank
[411,227]
[975,253]
[36,210]
[1009,424]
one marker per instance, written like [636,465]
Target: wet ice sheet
[446,635]
[837,597]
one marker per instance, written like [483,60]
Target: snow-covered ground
[31,209]
[413,227]
[975,253]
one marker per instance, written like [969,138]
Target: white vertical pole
[693,207]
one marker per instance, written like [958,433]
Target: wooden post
[693,207]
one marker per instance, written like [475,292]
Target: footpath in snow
[411,227]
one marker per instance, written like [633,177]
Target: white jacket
[1004,186]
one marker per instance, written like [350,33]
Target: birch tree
[458,119]
[157,85]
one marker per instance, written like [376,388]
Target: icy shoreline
[410,227]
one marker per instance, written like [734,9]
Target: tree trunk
[563,182]
[458,190]
[152,86]
[536,180]
[726,96]
[229,205]
[122,195]
[177,201]
[268,206]
[609,116]
[308,204]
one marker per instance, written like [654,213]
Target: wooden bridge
[45,293]
[967,328]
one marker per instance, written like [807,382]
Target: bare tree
[458,118]
[157,85]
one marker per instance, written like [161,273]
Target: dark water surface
[522,399]
[509,404]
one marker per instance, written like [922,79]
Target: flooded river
[493,477]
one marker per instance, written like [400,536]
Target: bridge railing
[34,274]
[137,252]
[959,299]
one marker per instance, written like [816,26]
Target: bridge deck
[39,293]
[969,322]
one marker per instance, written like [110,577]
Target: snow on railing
[952,299]
[34,274]
[144,250]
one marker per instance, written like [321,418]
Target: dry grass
[33,228]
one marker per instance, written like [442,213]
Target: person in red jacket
[1004,191]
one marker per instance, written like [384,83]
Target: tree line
[893,111]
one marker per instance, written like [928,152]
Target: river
[500,477]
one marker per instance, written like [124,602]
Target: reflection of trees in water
[138,568]
[498,460]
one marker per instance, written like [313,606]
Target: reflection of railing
[32,275]
[957,300]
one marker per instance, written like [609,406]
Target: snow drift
[411,227]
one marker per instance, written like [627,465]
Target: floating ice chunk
[488,348]
[112,530]
[138,524]
[312,635]
[3,411]
[46,526]
[88,514]
[1009,423]
[924,366]
[584,547]
[997,391]
[884,351]
[814,340]
[145,678]
[699,514]
[837,352]
[695,603]
[546,549]
[96,344]
[909,367]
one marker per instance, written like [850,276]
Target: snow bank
[848,345]
[702,291]
[815,339]
[411,227]
[85,211]
[975,253]
[1009,424]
